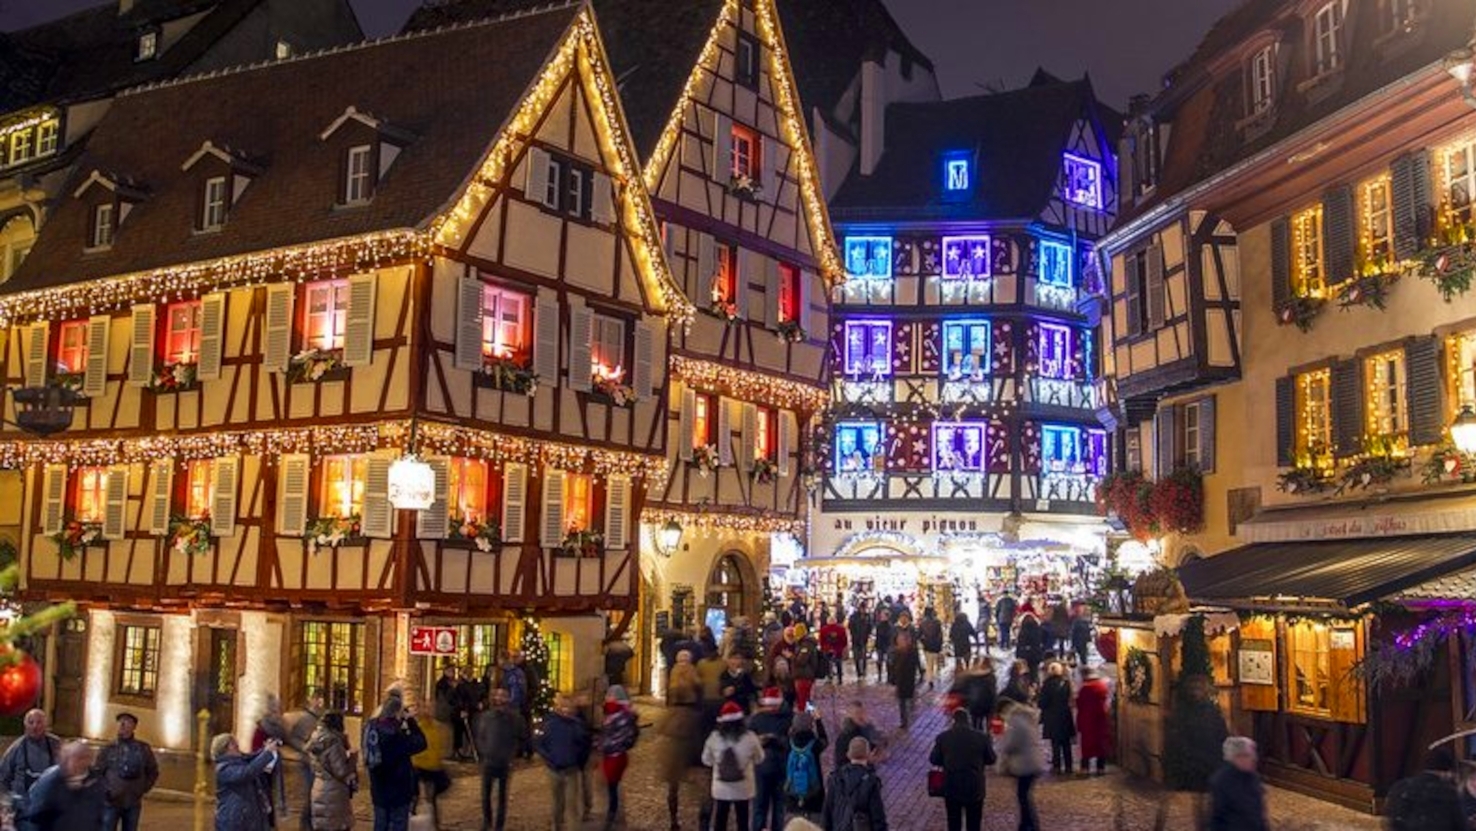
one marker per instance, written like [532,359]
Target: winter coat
[906,667]
[1060,622]
[738,688]
[25,760]
[499,733]
[853,790]
[515,681]
[1019,689]
[851,730]
[682,749]
[1055,709]
[806,660]
[1020,753]
[749,752]
[1423,802]
[335,778]
[1081,632]
[961,635]
[963,753]
[883,630]
[619,731]
[1238,802]
[808,741]
[564,743]
[241,799]
[930,632]
[833,640]
[56,806]
[980,694]
[1004,611]
[445,699]
[1030,643]
[860,627]
[1094,718]
[129,770]
[392,782]
[772,729]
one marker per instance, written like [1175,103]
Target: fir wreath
[1137,675]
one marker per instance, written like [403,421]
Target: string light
[709,521]
[749,386]
[1307,265]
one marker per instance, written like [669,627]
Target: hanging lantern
[412,484]
[1463,430]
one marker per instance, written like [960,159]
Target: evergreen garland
[1195,727]
[536,666]
[1194,649]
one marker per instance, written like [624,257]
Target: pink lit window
[326,315]
[789,294]
[504,324]
[182,333]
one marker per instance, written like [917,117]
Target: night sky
[1126,45]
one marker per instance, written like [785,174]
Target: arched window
[728,587]
[16,237]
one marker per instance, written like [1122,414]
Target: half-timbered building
[269,297]
[963,441]
[1288,318]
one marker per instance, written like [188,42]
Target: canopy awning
[1345,573]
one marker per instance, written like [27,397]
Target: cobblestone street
[1109,803]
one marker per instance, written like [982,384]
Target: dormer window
[104,221]
[148,46]
[364,163]
[1262,80]
[1083,181]
[213,204]
[358,184]
[284,50]
[1327,26]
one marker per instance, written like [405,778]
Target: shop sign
[432,640]
[1355,527]
[1257,663]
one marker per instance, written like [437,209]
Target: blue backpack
[801,774]
[373,757]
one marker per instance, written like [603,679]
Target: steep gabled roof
[452,90]
[1015,139]
[830,39]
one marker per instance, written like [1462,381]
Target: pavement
[1114,802]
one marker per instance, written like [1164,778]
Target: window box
[1447,464]
[172,378]
[1373,470]
[745,187]
[705,458]
[1300,312]
[1450,267]
[507,375]
[1305,480]
[482,533]
[189,536]
[332,532]
[312,366]
[1371,290]
[76,535]
[789,330]
[581,543]
[608,386]
[70,380]
[765,471]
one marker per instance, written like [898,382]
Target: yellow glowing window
[138,660]
[342,493]
[182,333]
[1462,351]
[704,420]
[504,324]
[1386,411]
[20,146]
[333,664]
[1314,411]
[71,347]
[578,501]
[1308,278]
[1460,183]
[468,489]
[1376,223]
[91,496]
[1311,667]
[326,315]
[199,486]
[477,646]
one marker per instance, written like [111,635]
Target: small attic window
[213,204]
[148,45]
[100,235]
[958,174]
[284,50]
[358,178]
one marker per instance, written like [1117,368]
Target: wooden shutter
[1281,277]
[514,501]
[212,336]
[617,512]
[141,346]
[1339,237]
[581,329]
[1286,425]
[1347,407]
[379,515]
[38,338]
[806,293]
[1157,293]
[115,508]
[749,436]
[161,495]
[1409,183]
[292,494]
[546,338]
[1164,455]
[706,268]
[551,527]
[724,432]
[1131,295]
[748,263]
[603,208]
[722,145]
[227,478]
[277,339]
[470,292]
[1345,693]
[53,498]
[1424,392]
[1207,434]
[358,331]
[95,379]
[535,184]
[771,293]
[433,522]
[642,370]
[686,424]
[768,162]
[785,440]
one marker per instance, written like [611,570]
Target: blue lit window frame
[1091,196]
[866,446]
[873,255]
[966,329]
[1096,452]
[971,267]
[1061,448]
[950,448]
[954,163]
[1057,261]
[1055,351]
[868,364]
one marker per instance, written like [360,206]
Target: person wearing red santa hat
[771,724]
[733,752]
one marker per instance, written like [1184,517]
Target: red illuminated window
[725,282]
[71,349]
[578,501]
[90,498]
[766,436]
[704,420]
[746,149]
[468,489]
[326,315]
[505,318]
[182,333]
[789,294]
[199,485]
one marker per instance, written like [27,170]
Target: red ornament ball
[20,685]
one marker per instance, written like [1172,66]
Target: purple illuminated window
[1097,452]
[1083,184]
[965,258]
[1055,351]
[869,347]
[959,446]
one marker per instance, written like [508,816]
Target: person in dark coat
[499,732]
[963,753]
[736,684]
[906,667]
[1030,643]
[961,638]
[883,633]
[1059,629]
[1004,617]
[979,691]
[807,735]
[930,635]
[1237,797]
[1427,801]
[854,792]
[129,770]
[858,724]
[1094,720]
[1055,717]
[390,739]
[25,760]
[860,628]
[1081,635]
[564,746]
[771,724]
[69,796]
[241,796]
[1020,686]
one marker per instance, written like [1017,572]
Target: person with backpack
[128,770]
[564,746]
[963,753]
[804,785]
[618,735]
[391,739]
[806,668]
[771,724]
[734,753]
[930,634]
[853,798]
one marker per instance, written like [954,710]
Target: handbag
[935,782]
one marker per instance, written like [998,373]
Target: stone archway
[733,586]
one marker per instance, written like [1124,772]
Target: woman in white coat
[732,751]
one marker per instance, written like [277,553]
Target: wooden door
[67,677]
[220,672]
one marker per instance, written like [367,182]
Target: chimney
[124,7]
[873,115]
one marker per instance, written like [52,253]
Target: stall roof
[1347,572]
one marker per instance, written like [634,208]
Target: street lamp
[1463,430]
[668,537]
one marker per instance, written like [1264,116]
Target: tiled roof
[452,90]
[1016,139]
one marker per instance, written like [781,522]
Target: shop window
[332,661]
[1262,80]
[857,447]
[1314,417]
[182,333]
[966,348]
[1060,449]
[1310,671]
[749,52]
[558,657]
[1376,224]
[199,486]
[746,149]
[607,346]
[1459,168]
[868,347]
[1055,263]
[789,293]
[966,258]
[467,489]
[1308,278]
[1386,411]
[958,446]
[90,494]
[704,419]
[138,661]
[506,319]
[1097,456]
[477,646]
[326,315]
[1327,27]
[578,501]
[869,258]
[1083,181]
[1055,352]
[766,433]
[342,492]
[71,348]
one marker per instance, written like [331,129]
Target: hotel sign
[1382,524]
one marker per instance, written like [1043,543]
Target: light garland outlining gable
[706,523]
[749,386]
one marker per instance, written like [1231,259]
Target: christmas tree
[536,666]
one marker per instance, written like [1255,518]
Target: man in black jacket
[1427,801]
[1004,617]
[860,626]
[500,731]
[1237,798]
[854,791]
[963,753]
